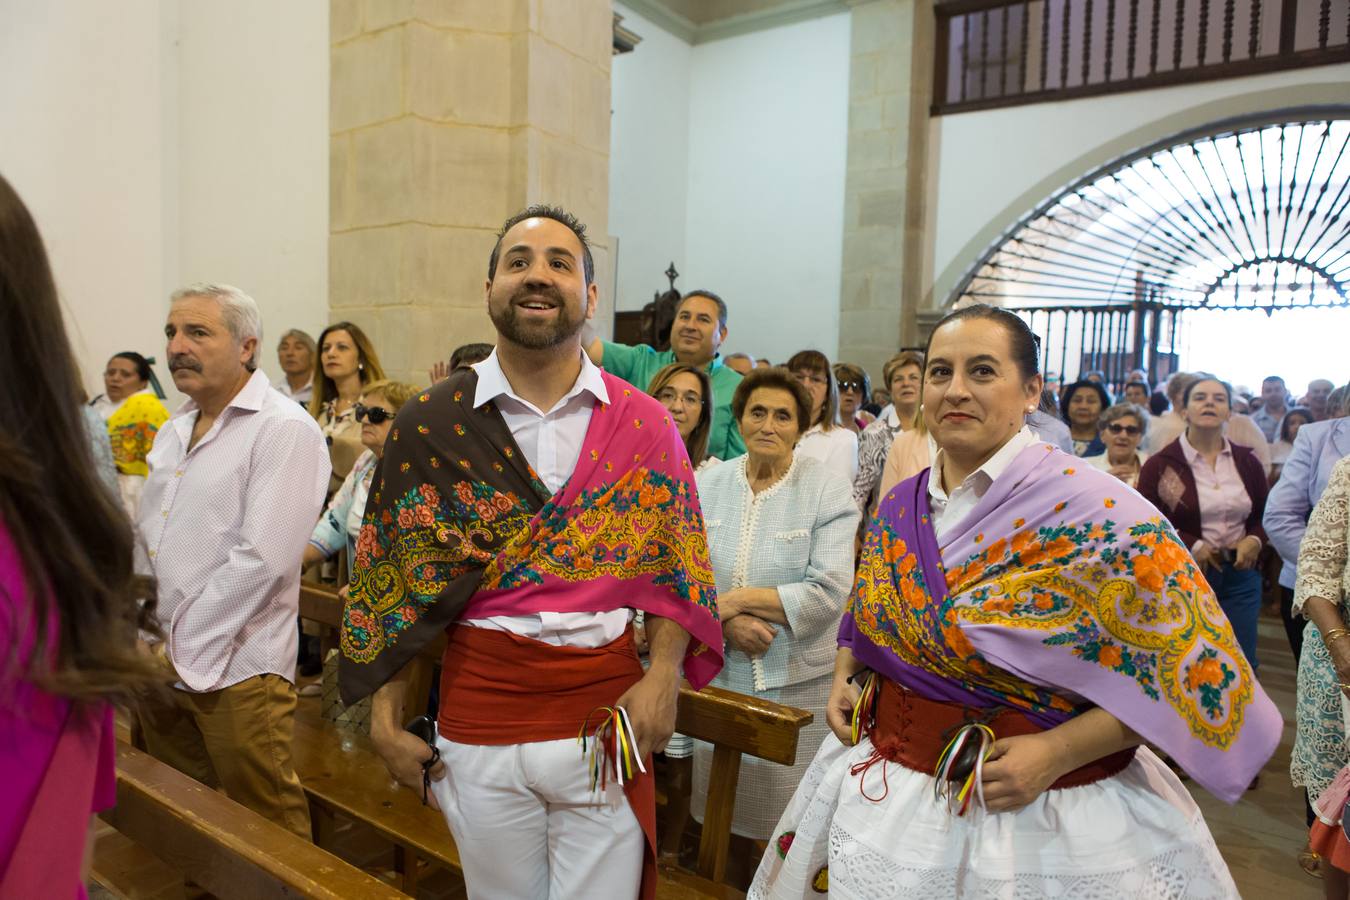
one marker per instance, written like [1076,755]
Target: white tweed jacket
[797,536]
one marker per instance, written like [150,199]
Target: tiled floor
[1261,835]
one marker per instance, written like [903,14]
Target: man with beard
[699,329]
[525,507]
[237,480]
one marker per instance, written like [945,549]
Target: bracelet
[1335,634]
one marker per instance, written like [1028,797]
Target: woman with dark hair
[1285,433]
[346,363]
[685,391]
[1214,493]
[68,597]
[133,413]
[780,540]
[824,439]
[1020,625]
[1082,405]
[854,390]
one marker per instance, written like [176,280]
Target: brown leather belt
[913,731]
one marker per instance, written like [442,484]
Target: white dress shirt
[301,396]
[551,442]
[224,527]
[836,448]
[948,511]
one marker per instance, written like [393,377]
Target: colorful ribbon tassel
[971,746]
[612,745]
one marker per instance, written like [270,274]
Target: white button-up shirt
[224,527]
[948,511]
[551,442]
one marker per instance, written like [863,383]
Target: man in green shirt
[699,329]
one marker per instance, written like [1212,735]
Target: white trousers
[528,826]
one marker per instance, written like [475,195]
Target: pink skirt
[1327,835]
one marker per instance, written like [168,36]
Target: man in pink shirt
[237,480]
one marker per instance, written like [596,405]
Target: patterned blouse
[873,445]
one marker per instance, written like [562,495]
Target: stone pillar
[445,117]
[885,194]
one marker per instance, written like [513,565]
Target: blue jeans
[1239,592]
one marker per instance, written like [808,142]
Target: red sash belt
[913,731]
[501,688]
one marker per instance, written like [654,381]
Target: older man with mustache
[237,480]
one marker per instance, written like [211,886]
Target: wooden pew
[221,846]
[340,775]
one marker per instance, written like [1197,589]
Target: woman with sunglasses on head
[341,521]
[825,439]
[1123,426]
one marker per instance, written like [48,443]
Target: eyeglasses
[377,415]
[850,386]
[668,396]
[1117,428]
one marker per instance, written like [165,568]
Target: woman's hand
[1019,770]
[1248,549]
[839,708]
[749,634]
[1339,648]
[1207,557]
[729,604]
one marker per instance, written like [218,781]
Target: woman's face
[683,396]
[1085,407]
[906,382]
[974,397]
[1207,406]
[1296,421]
[374,436]
[817,384]
[339,354]
[769,425]
[120,379]
[1123,435]
[850,398]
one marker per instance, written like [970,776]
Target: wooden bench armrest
[226,848]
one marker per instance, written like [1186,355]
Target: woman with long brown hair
[345,364]
[68,598]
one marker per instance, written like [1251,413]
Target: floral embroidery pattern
[1130,601]
[643,524]
[405,557]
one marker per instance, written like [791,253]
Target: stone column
[886,187]
[446,116]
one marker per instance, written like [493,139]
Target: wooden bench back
[223,847]
[734,724]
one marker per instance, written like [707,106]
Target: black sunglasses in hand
[377,415]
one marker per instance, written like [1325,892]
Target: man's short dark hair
[721,304]
[557,214]
[468,354]
[1272,378]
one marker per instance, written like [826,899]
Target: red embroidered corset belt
[913,731]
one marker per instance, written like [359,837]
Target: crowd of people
[1019,612]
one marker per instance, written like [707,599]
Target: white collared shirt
[551,442]
[224,526]
[949,511]
[301,396]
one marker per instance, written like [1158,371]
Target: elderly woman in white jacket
[780,533]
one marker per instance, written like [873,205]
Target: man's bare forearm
[386,707]
[667,641]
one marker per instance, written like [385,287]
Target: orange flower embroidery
[422,429]
[423,398]
[1110,656]
[1109,503]
[637,423]
[595,456]
[1206,672]
[1018,523]
[1148,573]
[1059,507]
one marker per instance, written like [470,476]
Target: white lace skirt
[1134,835]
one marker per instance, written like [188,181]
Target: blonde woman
[345,364]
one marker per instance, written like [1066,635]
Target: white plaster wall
[161,142]
[768,130]
[729,158]
[995,166]
[648,160]
[81,89]
[252,132]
